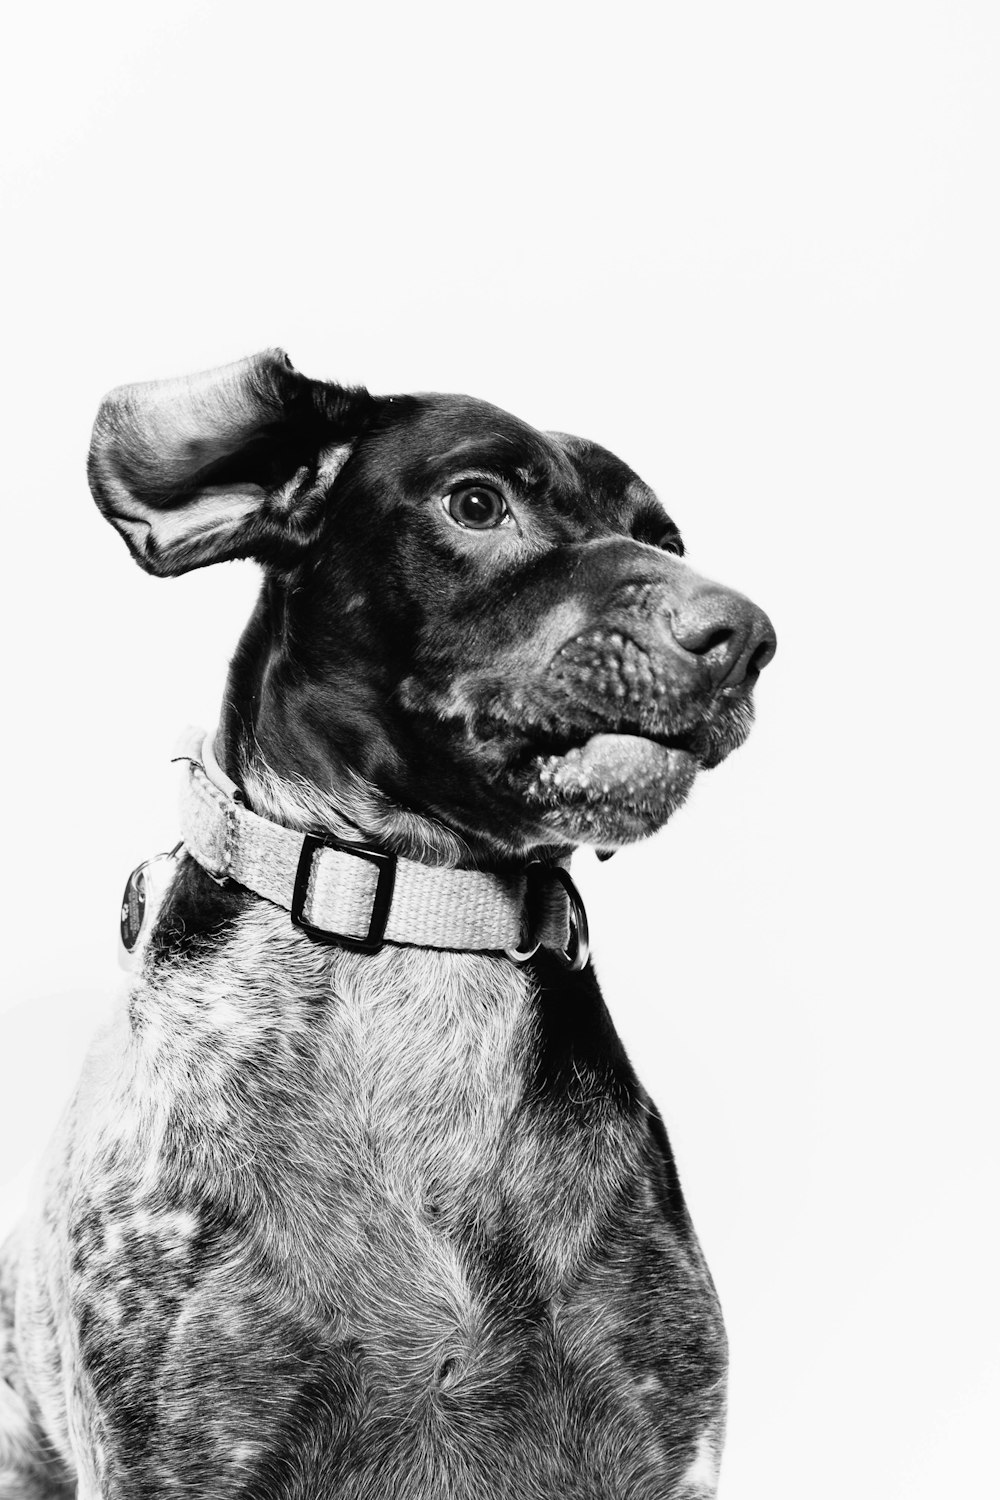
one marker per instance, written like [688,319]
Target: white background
[754,249]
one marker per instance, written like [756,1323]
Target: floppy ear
[233,462]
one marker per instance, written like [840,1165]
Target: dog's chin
[610,790]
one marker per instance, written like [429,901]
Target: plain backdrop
[754,249]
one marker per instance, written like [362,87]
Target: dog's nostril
[759,658]
[727,633]
[713,641]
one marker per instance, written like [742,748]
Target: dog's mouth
[616,749]
[625,761]
[612,783]
[608,787]
[607,743]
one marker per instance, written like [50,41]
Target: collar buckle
[384,863]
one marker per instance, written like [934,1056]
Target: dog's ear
[234,462]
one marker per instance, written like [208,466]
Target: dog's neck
[324,880]
[343,802]
[260,757]
[351,809]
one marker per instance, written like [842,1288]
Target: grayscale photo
[499,996]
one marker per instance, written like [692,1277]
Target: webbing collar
[361,897]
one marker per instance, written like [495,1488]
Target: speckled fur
[429,1276]
[402,1226]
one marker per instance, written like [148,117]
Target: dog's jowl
[360,1196]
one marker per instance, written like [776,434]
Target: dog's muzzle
[607,736]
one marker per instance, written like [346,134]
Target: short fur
[322,1223]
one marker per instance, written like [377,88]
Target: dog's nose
[727,632]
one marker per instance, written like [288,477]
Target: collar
[360,897]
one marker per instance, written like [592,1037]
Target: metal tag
[144,891]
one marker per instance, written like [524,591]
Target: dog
[359,1195]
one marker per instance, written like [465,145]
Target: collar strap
[360,897]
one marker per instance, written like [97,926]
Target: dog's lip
[615,763]
[571,744]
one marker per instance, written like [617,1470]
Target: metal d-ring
[574,956]
[521,955]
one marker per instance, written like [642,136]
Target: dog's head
[487,626]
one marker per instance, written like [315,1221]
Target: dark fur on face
[555,678]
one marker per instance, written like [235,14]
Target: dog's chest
[362,1098]
[338,1193]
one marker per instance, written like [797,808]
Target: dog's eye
[670,541]
[477,507]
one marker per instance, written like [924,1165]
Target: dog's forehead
[442,432]
[439,436]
